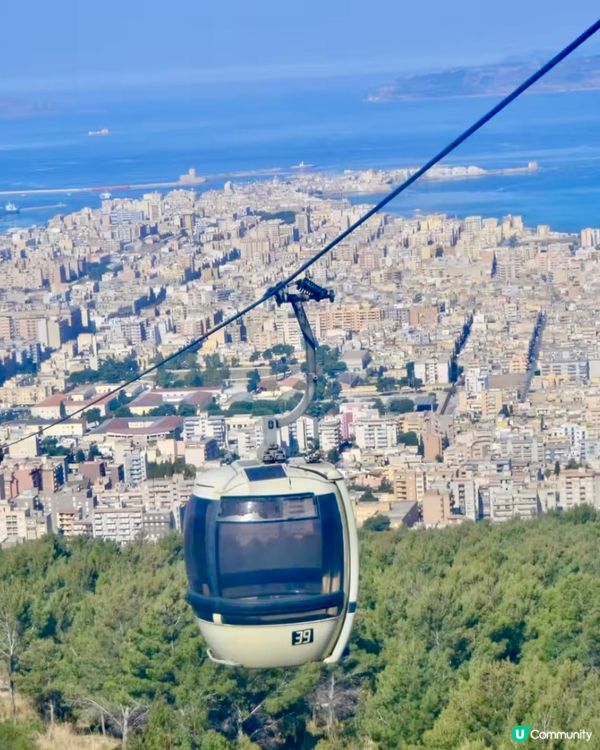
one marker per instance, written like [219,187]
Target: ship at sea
[302,165]
[105,195]
[11,208]
[101,132]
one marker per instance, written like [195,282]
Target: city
[460,361]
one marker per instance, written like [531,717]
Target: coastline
[414,98]
[442,174]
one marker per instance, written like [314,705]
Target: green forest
[462,633]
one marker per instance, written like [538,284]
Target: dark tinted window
[300,553]
[195,544]
[261,473]
[273,508]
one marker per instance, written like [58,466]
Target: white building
[476,381]
[301,433]
[13,524]
[516,502]
[134,467]
[577,437]
[205,426]
[118,524]
[578,487]
[244,441]
[466,497]
[432,371]
[330,434]
[375,434]
[307,430]
[590,237]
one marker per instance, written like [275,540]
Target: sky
[87,44]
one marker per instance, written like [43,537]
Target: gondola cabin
[272,562]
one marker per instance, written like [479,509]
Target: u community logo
[520,733]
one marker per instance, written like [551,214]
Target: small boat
[101,132]
[302,165]
[11,208]
[105,195]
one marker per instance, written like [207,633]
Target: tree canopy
[184,371]
[110,370]
[461,633]
[401,405]
[408,438]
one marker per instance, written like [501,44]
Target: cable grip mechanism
[307,290]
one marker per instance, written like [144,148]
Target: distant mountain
[576,74]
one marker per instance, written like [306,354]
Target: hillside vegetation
[462,634]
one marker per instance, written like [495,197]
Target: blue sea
[156,136]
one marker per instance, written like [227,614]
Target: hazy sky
[85,43]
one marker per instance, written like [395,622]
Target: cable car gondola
[271,548]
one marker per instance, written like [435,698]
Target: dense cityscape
[460,360]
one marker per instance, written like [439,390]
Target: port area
[189,179]
[350,182]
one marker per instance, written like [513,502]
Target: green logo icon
[520,733]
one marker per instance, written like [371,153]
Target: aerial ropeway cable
[274,290]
